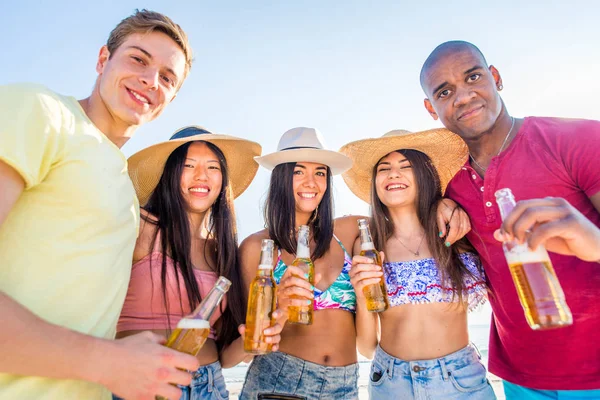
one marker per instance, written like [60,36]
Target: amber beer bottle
[261,303]
[303,314]
[538,287]
[192,331]
[376,294]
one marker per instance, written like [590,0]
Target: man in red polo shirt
[536,158]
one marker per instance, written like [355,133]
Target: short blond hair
[145,21]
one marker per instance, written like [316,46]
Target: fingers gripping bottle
[538,287]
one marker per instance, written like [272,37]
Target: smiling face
[395,182]
[310,184]
[202,178]
[462,91]
[139,79]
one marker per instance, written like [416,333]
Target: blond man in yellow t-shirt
[68,225]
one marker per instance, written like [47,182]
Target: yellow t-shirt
[66,246]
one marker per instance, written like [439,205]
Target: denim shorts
[459,375]
[283,374]
[207,384]
[516,392]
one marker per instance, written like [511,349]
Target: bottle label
[265,266]
[187,323]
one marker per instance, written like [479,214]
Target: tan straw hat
[146,166]
[305,144]
[447,151]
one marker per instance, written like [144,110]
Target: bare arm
[364,273]
[30,346]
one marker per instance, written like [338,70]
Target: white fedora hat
[305,144]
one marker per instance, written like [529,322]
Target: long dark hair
[280,212]
[167,204]
[429,193]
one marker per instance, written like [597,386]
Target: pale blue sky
[349,68]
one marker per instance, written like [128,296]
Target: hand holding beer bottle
[538,287]
[261,304]
[192,331]
[366,274]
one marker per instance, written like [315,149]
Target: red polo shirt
[548,157]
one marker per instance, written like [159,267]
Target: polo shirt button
[489,204]
[474,176]
[481,188]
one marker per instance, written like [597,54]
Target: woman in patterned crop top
[187,239]
[423,348]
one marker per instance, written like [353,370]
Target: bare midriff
[329,341]
[413,332]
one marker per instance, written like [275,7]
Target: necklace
[501,147]
[416,253]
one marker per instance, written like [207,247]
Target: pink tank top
[144,306]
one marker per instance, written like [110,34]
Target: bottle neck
[209,304]
[506,205]
[303,250]
[366,241]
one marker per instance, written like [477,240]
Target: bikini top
[419,282]
[340,295]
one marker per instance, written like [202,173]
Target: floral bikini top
[419,282]
[340,295]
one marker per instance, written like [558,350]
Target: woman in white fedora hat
[317,361]
[188,239]
[423,350]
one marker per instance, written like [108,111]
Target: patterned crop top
[419,282]
[340,295]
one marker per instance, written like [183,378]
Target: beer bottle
[261,303]
[538,287]
[303,314]
[375,294]
[192,330]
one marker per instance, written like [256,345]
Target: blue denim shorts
[283,374]
[207,384]
[516,392]
[459,375]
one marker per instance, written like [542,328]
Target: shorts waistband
[434,367]
[301,364]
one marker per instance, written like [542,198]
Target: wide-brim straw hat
[305,144]
[447,151]
[147,165]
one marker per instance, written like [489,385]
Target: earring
[500,87]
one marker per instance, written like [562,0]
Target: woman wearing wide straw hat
[315,361]
[424,349]
[188,239]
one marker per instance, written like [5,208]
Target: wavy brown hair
[429,194]
[168,205]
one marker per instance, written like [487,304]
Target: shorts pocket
[469,378]
[219,389]
[377,374]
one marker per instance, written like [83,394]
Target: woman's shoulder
[346,229]
[145,242]
[254,240]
